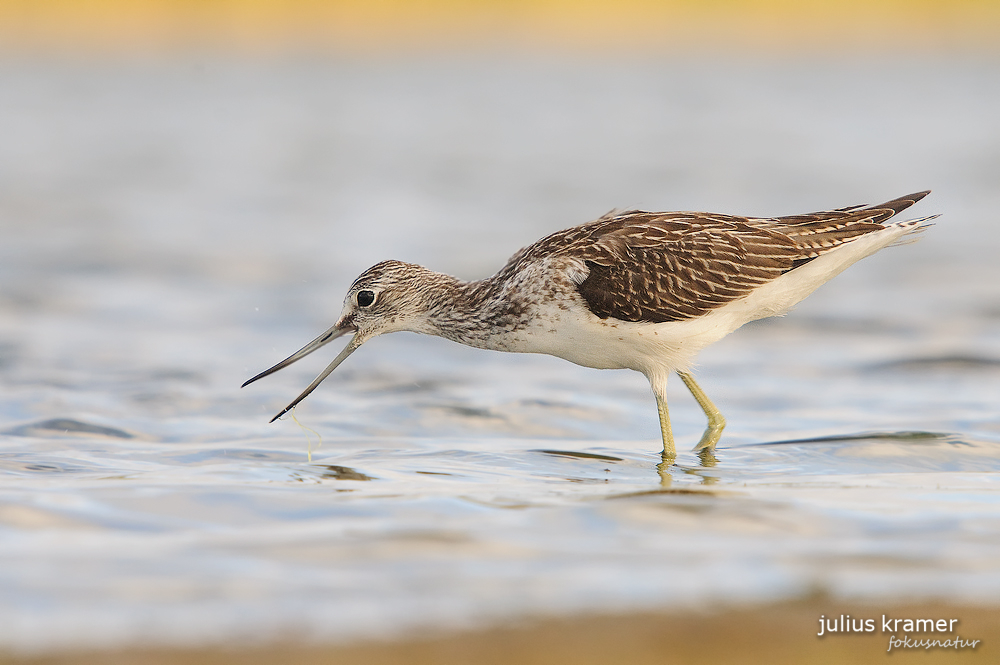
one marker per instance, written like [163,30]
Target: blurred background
[395,26]
[187,189]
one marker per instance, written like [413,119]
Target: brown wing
[668,267]
[660,267]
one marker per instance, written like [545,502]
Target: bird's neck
[469,313]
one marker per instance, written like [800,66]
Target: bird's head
[391,296]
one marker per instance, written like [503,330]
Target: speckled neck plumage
[469,312]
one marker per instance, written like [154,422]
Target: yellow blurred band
[837,26]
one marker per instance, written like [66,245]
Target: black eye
[365,298]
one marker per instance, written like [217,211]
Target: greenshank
[632,290]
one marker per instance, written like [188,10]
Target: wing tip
[900,204]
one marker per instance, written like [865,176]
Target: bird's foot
[707,457]
[716,423]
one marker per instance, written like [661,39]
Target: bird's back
[653,267]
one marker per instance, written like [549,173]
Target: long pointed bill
[330,335]
[327,337]
[348,350]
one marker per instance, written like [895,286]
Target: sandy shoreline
[776,633]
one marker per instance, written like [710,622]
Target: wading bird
[631,290]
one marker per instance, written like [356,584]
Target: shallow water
[172,228]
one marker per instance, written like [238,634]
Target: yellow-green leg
[669,450]
[716,423]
